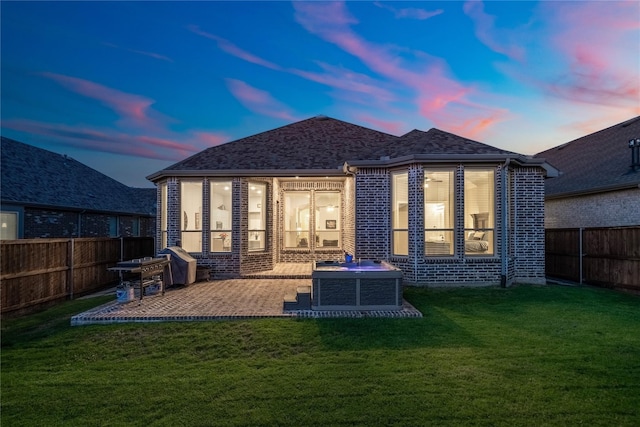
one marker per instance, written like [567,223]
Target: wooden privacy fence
[607,257]
[37,273]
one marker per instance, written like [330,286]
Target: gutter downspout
[504,238]
[80,222]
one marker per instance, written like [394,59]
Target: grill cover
[183,266]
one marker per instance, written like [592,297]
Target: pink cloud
[436,93]
[141,52]
[346,80]
[498,40]
[394,128]
[130,107]
[210,139]
[234,50]
[110,141]
[599,44]
[411,13]
[259,101]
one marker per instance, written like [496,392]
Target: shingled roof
[36,177]
[436,141]
[317,143]
[594,163]
[322,145]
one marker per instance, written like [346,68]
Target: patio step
[300,301]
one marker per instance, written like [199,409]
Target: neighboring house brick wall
[611,209]
[51,223]
[45,223]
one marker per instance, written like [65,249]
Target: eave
[278,173]
[520,160]
[517,159]
[590,191]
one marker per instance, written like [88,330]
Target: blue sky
[129,88]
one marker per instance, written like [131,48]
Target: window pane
[296,219]
[220,241]
[9,222]
[479,211]
[439,212]
[220,216]
[328,226]
[257,216]
[113,226]
[400,213]
[191,220]
[163,215]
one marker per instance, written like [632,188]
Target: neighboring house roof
[597,162]
[321,145]
[36,177]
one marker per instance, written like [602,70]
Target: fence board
[38,272]
[562,253]
[610,256]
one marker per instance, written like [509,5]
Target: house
[447,210]
[44,194]
[598,185]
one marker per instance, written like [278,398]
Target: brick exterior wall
[52,223]
[373,214]
[366,228]
[524,252]
[611,209]
[528,232]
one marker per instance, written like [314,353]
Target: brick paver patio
[250,297]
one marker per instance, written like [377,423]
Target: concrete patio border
[221,300]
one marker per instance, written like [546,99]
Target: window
[296,219]
[479,211]
[400,213]
[328,226]
[9,225]
[191,219]
[257,216]
[113,226]
[220,220]
[135,227]
[439,212]
[163,215]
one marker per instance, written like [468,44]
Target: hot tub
[364,285]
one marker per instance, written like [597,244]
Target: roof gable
[33,176]
[595,162]
[317,143]
[436,141]
[322,145]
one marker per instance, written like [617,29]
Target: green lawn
[527,355]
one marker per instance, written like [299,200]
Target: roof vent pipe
[634,144]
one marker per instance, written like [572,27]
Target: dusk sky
[129,88]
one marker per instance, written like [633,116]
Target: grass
[526,355]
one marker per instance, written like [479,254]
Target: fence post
[581,230]
[71,255]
